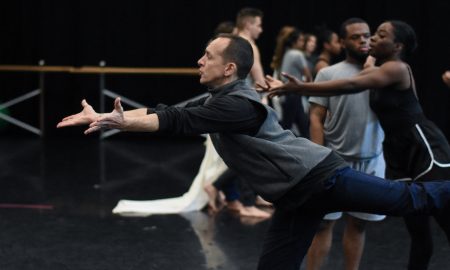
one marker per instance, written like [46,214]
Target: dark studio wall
[170,33]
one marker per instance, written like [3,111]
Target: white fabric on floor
[194,199]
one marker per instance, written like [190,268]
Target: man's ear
[230,69]
[399,47]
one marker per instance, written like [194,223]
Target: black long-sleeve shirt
[222,113]
[231,113]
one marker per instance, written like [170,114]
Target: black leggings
[293,113]
[291,231]
[419,228]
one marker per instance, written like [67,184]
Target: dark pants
[419,227]
[235,188]
[293,113]
[291,231]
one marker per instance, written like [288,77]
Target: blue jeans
[291,232]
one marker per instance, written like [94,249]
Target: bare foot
[252,211]
[213,195]
[235,205]
[261,202]
[251,220]
[247,211]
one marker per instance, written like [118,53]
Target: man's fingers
[95,123]
[67,121]
[91,130]
[101,119]
[67,118]
[70,117]
[118,105]
[94,126]
[63,124]
[104,123]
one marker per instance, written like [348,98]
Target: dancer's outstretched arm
[136,120]
[132,120]
[390,73]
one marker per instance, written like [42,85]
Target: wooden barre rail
[101,70]
[35,68]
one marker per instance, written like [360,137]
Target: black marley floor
[56,197]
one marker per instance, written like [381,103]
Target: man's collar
[227,86]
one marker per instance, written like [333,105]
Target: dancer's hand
[276,87]
[370,62]
[270,84]
[112,120]
[446,78]
[86,116]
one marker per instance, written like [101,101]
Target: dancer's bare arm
[389,73]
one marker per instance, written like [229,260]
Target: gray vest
[272,161]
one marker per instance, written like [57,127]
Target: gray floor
[56,198]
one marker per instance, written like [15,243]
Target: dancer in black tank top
[414,148]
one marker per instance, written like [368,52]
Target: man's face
[255,27]
[212,65]
[357,41]
[334,45]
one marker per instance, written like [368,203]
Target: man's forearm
[136,112]
[142,123]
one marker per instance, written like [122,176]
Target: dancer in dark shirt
[303,180]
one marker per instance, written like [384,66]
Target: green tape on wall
[3,123]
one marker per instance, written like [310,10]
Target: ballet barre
[101,70]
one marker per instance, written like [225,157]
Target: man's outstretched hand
[85,117]
[112,120]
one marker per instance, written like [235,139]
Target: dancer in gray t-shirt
[347,125]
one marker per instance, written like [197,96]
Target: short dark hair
[343,29]
[240,52]
[324,35]
[405,34]
[224,27]
[245,13]
[292,38]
